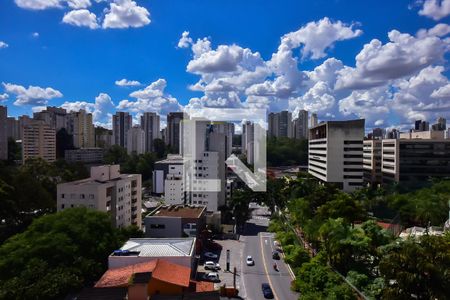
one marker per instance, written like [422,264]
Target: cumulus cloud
[78,4]
[435,9]
[4,97]
[440,30]
[81,18]
[125,14]
[38,4]
[126,82]
[371,104]
[101,108]
[185,41]
[317,37]
[404,55]
[35,35]
[33,95]
[442,92]
[151,98]
[318,98]
[3,45]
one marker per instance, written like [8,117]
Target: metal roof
[160,247]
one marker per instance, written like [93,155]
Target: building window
[157,226]
[62,206]
[62,196]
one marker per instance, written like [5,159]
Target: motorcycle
[275,267]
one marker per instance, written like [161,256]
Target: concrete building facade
[300,125]
[85,155]
[136,140]
[173,134]
[106,190]
[121,123]
[280,124]
[3,133]
[80,125]
[38,140]
[372,161]
[336,153]
[150,124]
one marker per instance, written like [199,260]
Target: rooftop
[159,269]
[92,181]
[172,159]
[179,211]
[157,247]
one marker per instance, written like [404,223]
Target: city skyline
[336,60]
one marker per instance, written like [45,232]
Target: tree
[342,206]
[57,254]
[14,150]
[417,268]
[160,148]
[239,205]
[116,155]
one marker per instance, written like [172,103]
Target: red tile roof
[160,269]
[204,286]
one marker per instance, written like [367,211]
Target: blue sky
[73,52]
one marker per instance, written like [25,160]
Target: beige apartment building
[38,140]
[106,190]
[80,125]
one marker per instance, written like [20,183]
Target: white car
[212,276]
[250,261]
[210,255]
[210,265]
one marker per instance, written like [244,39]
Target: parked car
[210,265]
[275,255]
[267,291]
[250,261]
[210,255]
[212,276]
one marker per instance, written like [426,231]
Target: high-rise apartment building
[336,153]
[136,140]
[300,125]
[13,128]
[105,190]
[314,121]
[248,140]
[150,124]
[38,140]
[173,135]
[3,133]
[168,179]
[121,123]
[280,124]
[80,125]
[56,117]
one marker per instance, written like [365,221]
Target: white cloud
[423,95]
[442,92]
[440,30]
[435,9]
[78,4]
[404,55]
[3,97]
[379,122]
[125,14]
[101,109]
[33,95]
[3,45]
[81,18]
[40,108]
[316,37]
[35,35]
[371,104]
[224,59]
[126,82]
[152,98]
[318,99]
[38,4]
[185,41]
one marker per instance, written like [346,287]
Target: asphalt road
[259,244]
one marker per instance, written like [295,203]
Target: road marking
[265,241]
[265,268]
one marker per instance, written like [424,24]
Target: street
[260,244]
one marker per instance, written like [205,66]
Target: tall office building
[280,124]
[300,125]
[372,161]
[314,120]
[105,190]
[247,140]
[420,125]
[38,140]
[121,123]
[3,133]
[136,140]
[150,125]
[336,153]
[415,157]
[441,124]
[80,125]
[172,137]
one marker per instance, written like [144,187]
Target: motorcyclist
[275,266]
